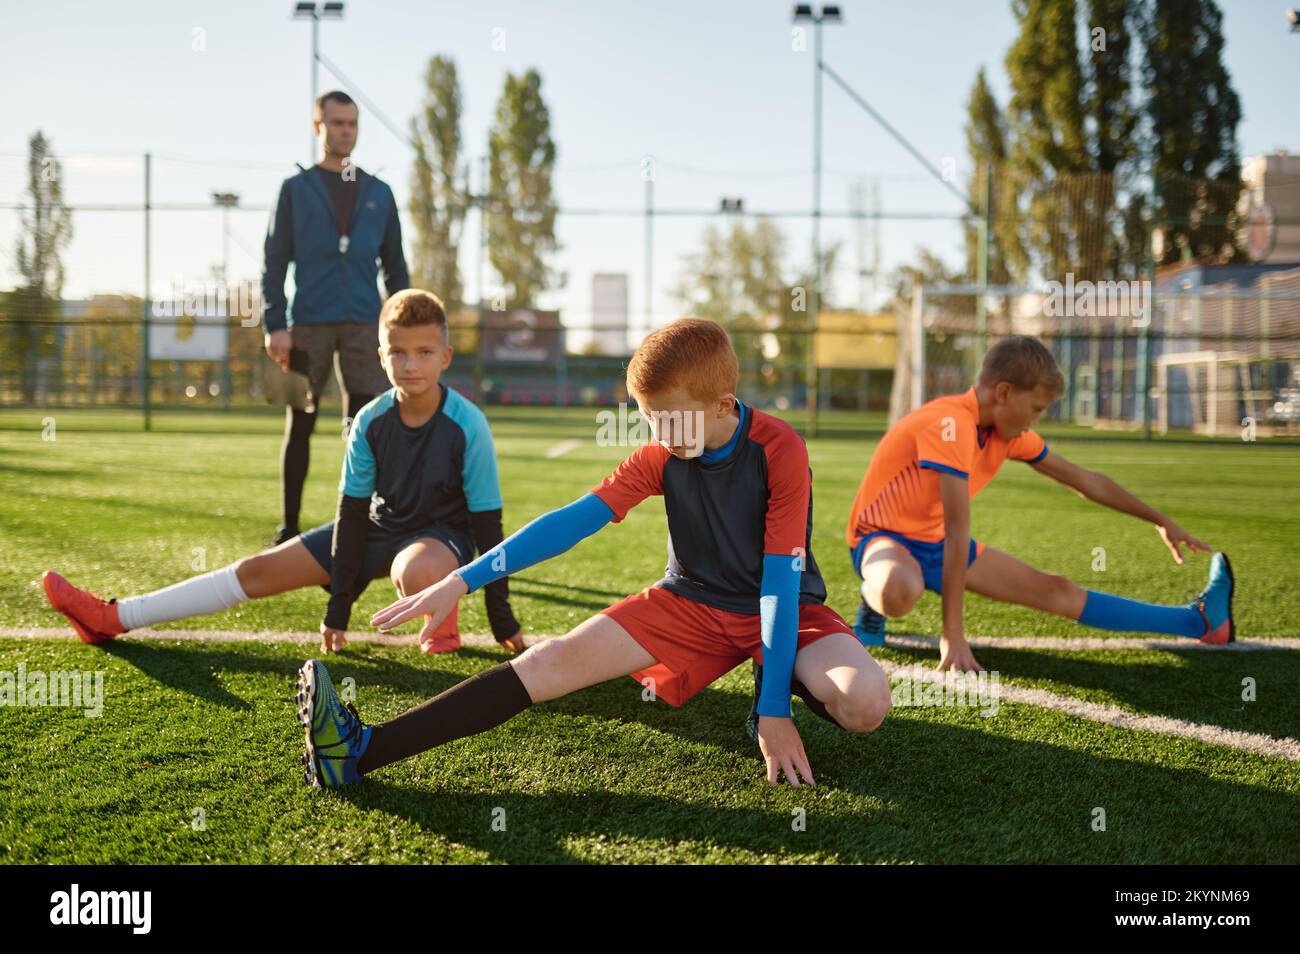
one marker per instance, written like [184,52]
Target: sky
[717,92]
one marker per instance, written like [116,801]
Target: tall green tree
[1194,113]
[45,229]
[1113,204]
[739,278]
[521,221]
[439,185]
[1046,119]
[986,144]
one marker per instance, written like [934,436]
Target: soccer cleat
[336,736]
[446,637]
[868,625]
[449,645]
[95,620]
[1215,603]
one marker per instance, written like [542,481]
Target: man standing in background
[337,224]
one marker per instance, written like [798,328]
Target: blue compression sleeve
[547,536]
[778,607]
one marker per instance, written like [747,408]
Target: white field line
[1252,742]
[562,448]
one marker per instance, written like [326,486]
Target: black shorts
[382,548]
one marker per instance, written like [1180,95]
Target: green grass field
[602,775]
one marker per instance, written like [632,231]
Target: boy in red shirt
[741,583]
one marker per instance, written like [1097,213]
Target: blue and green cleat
[1215,603]
[336,736]
[868,625]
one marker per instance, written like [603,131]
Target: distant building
[609,314]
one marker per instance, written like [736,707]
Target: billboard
[522,334]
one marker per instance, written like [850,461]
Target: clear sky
[713,90]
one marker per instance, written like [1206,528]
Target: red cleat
[95,620]
[446,638]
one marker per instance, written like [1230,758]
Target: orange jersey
[900,491]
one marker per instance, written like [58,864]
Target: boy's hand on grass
[783,751]
[955,654]
[436,602]
[332,639]
[514,643]
[1175,536]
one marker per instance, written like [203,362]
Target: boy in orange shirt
[909,529]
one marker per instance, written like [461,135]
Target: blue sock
[1103,611]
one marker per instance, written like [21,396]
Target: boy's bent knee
[862,711]
[900,593]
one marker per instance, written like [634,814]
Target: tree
[439,186]
[521,221]
[45,229]
[1046,118]
[986,144]
[1194,113]
[739,279]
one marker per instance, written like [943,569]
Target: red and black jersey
[725,515]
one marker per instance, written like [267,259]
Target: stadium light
[315,13]
[805,13]
[225,201]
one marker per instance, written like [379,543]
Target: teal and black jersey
[415,477]
[400,480]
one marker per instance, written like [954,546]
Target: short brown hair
[333,96]
[412,307]
[1025,363]
[690,353]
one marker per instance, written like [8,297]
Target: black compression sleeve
[349,554]
[486,526]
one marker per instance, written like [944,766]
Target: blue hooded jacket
[335,281]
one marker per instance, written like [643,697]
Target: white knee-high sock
[196,596]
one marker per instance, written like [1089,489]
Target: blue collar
[720,453]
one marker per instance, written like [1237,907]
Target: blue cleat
[1215,603]
[336,736]
[869,626]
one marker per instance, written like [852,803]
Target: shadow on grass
[1205,686]
[197,672]
[923,791]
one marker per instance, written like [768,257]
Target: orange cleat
[446,638]
[95,620]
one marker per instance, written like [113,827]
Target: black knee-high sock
[812,702]
[295,455]
[479,703]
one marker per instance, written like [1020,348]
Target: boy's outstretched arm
[954,652]
[1101,489]
[549,535]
